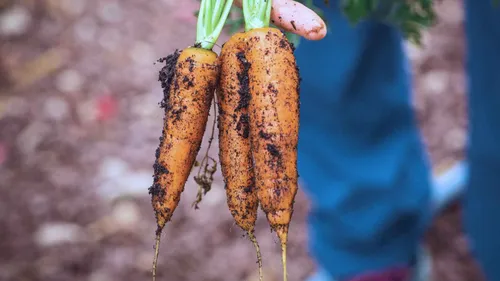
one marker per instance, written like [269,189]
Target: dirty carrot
[234,142]
[274,116]
[188,79]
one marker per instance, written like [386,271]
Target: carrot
[274,116]
[188,79]
[234,143]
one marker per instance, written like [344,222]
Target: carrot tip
[259,255]
[282,232]
[283,257]
[157,251]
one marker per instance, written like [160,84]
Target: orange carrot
[274,117]
[188,96]
[234,143]
[189,79]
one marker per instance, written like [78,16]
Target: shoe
[422,269]
[449,185]
[320,275]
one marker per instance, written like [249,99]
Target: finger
[299,19]
[296,18]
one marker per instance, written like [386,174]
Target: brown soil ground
[79,124]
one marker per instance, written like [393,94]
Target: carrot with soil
[188,79]
[274,116]
[234,142]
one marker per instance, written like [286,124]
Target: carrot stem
[208,20]
[217,12]
[257,13]
[211,19]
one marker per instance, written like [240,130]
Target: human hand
[296,18]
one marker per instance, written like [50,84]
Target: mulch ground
[79,124]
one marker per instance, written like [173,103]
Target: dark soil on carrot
[79,129]
[166,76]
[273,150]
[244,90]
[243,126]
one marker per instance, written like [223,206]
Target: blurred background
[79,124]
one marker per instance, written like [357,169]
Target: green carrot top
[257,13]
[211,19]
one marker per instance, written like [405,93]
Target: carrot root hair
[157,252]
[206,171]
[252,238]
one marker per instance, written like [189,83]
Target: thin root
[206,172]
[283,257]
[157,251]
[259,255]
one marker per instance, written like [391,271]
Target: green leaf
[293,38]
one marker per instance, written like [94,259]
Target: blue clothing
[361,158]
[482,201]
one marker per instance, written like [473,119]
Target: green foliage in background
[411,17]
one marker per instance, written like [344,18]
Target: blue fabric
[482,201]
[360,155]
[447,187]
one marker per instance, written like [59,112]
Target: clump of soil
[166,76]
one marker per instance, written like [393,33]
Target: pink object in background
[107,108]
[185,11]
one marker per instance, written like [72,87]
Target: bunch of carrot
[256,81]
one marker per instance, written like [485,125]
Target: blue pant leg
[482,201]
[360,154]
